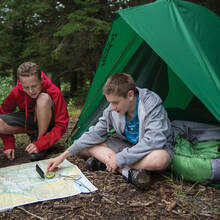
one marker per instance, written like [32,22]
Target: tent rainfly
[169,46]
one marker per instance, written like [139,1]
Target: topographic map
[21,184]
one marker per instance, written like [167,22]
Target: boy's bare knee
[161,160]
[101,152]
[162,164]
[157,160]
[44,100]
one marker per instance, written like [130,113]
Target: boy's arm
[55,162]
[97,134]
[61,120]
[157,129]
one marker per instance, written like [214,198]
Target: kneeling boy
[41,110]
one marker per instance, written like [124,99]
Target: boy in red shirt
[41,109]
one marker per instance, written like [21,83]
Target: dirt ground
[168,197]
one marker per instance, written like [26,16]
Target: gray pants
[117,144]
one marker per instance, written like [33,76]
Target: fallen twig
[108,200]
[171,206]
[141,204]
[209,214]
[205,214]
[63,206]
[182,215]
[36,216]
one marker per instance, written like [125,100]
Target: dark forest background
[64,37]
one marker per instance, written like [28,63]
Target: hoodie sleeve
[157,128]
[61,119]
[8,106]
[96,135]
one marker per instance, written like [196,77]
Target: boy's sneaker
[38,156]
[140,178]
[93,164]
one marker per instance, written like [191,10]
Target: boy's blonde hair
[29,69]
[119,84]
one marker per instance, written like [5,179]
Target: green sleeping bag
[198,163]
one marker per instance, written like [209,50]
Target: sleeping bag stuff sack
[196,152]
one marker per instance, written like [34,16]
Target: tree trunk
[56,80]
[15,74]
[73,83]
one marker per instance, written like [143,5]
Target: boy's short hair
[29,69]
[119,84]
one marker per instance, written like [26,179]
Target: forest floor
[167,198]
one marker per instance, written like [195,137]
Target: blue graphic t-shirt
[132,126]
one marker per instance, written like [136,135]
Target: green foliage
[75,103]
[181,190]
[72,107]
[5,88]
[65,38]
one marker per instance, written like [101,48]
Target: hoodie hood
[18,98]
[46,83]
[45,86]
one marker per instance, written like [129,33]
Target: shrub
[6,87]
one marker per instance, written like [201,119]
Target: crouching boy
[42,113]
[143,134]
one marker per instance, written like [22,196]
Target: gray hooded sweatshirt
[155,130]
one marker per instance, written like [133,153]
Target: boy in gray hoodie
[143,141]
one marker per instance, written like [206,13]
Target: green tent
[171,47]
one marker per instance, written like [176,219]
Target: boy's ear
[130,94]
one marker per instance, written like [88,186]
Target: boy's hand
[10,154]
[111,164]
[32,149]
[55,162]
